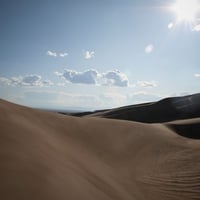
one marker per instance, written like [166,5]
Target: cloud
[89,54]
[197,75]
[28,80]
[55,54]
[196,28]
[149,48]
[51,53]
[31,80]
[115,78]
[149,84]
[85,77]
[4,81]
[93,77]
[63,55]
[170,25]
[47,83]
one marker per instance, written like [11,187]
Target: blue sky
[98,53]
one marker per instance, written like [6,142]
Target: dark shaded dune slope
[168,109]
[51,156]
[186,128]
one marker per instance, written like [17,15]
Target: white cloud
[115,78]
[170,25]
[196,28]
[147,84]
[85,77]
[58,73]
[4,81]
[149,48]
[31,80]
[91,76]
[47,83]
[55,54]
[51,53]
[28,80]
[89,54]
[197,75]
[63,55]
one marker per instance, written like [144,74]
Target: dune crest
[169,109]
[50,156]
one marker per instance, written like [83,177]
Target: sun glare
[186,10]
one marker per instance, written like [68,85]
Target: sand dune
[45,155]
[168,109]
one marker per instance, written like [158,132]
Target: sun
[186,10]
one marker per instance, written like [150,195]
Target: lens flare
[186,10]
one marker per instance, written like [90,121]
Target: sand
[46,155]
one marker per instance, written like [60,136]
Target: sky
[94,54]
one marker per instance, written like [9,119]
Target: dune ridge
[168,109]
[46,155]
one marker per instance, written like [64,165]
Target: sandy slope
[51,156]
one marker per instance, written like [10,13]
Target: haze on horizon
[98,54]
